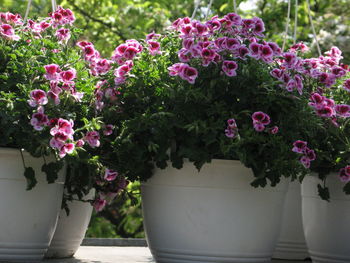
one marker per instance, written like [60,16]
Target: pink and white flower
[39,120]
[110,175]
[38,97]
[63,34]
[52,72]
[99,203]
[68,75]
[92,138]
[229,67]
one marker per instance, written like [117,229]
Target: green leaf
[346,188]
[51,170]
[29,174]
[323,191]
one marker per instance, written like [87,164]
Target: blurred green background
[107,23]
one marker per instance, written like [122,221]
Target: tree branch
[112,27]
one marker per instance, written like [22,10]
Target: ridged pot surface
[291,242]
[326,224]
[28,218]
[211,216]
[70,230]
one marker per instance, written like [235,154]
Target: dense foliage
[176,96]
[45,104]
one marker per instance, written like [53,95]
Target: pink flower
[68,75]
[153,47]
[188,43]
[338,71]
[259,127]
[261,117]
[299,83]
[347,85]
[62,16]
[52,72]
[11,18]
[344,174]
[134,43]
[243,52]
[277,73]
[184,55]
[305,161]
[254,50]
[231,123]
[327,78]
[63,34]
[54,97]
[152,36]
[276,49]
[259,26]
[317,101]
[7,32]
[184,71]
[299,146]
[130,53]
[100,203]
[123,70]
[229,67]
[83,44]
[175,69]
[79,143]
[37,98]
[208,55]
[310,154]
[39,120]
[274,130]
[56,143]
[290,60]
[343,110]
[266,53]
[232,43]
[68,148]
[64,127]
[334,53]
[108,129]
[110,175]
[89,51]
[232,129]
[92,138]
[188,73]
[234,19]
[325,112]
[103,66]
[299,47]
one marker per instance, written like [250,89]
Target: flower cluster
[49,89]
[232,129]
[260,120]
[308,154]
[344,174]
[114,183]
[218,39]
[7,21]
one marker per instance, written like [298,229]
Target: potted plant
[201,99]
[324,219]
[48,127]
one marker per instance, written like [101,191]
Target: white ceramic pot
[70,230]
[211,216]
[27,218]
[326,224]
[291,242]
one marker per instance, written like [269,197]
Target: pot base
[185,256]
